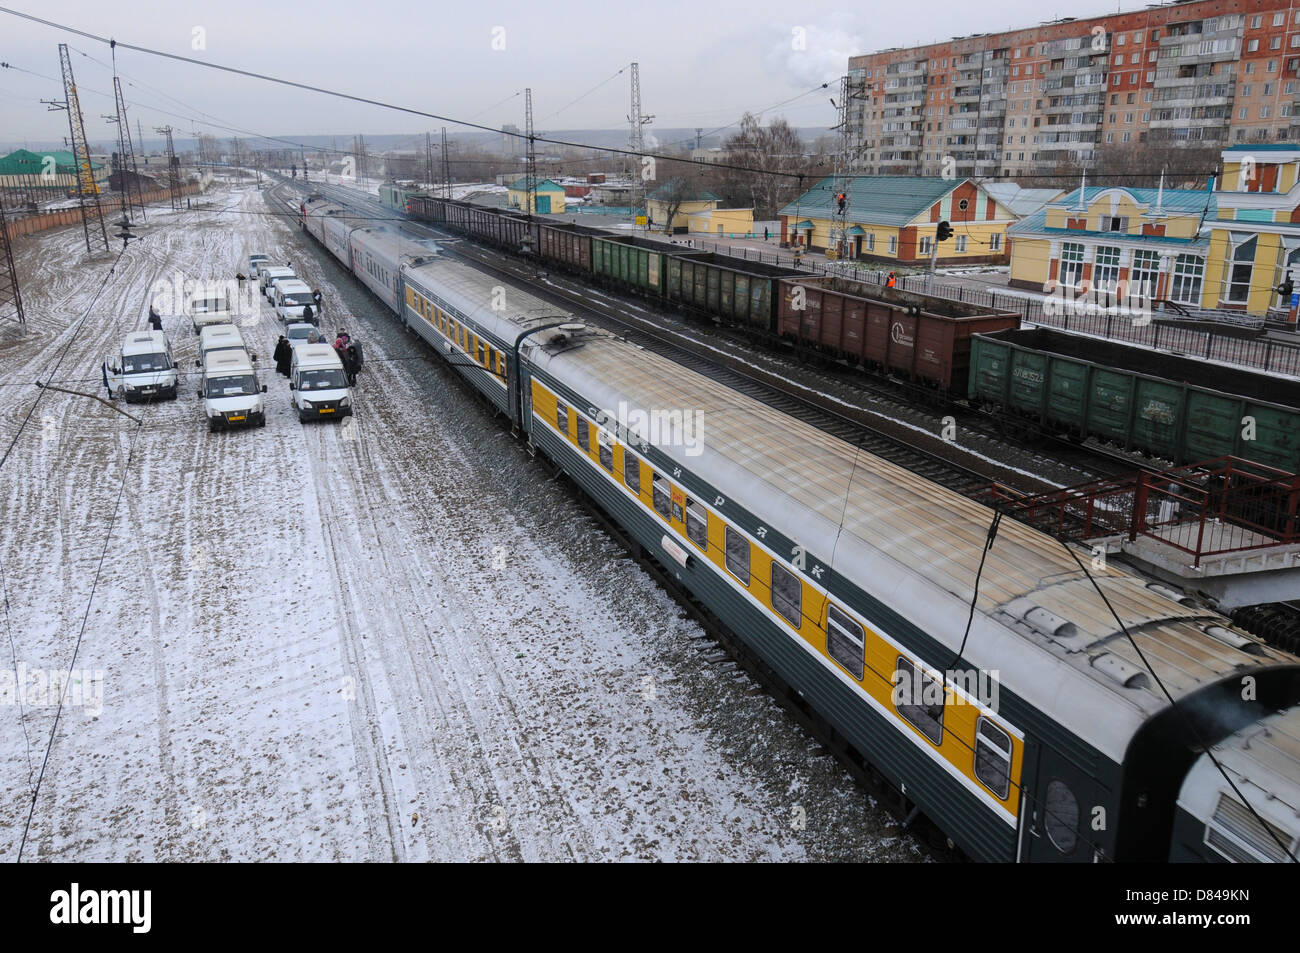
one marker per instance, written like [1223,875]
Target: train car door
[1066,813]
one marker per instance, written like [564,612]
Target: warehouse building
[547,197]
[53,171]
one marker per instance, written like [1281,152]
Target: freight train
[1040,731]
[1173,408]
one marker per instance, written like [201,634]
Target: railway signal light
[1284,291]
[944,232]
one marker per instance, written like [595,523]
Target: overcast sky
[702,63]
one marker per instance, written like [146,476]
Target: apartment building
[1195,72]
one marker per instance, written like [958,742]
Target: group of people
[349,352]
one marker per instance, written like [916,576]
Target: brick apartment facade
[1201,72]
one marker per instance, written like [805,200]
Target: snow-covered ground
[398,640]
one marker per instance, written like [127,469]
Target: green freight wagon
[629,260]
[737,291]
[1174,407]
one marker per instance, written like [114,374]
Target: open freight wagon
[1179,408]
[921,337]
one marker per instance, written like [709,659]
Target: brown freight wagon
[564,244]
[921,336]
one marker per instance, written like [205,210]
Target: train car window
[482,354]
[662,497]
[919,699]
[738,554]
[993,757]
[846,642]
[1061,816]
[584,436]
[605,450]
[632,472]
[787,595]
[562,417]
[697,523]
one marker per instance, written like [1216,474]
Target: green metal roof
[804,224]
[875,199]
[23,162]
[544,185]
[1173,201]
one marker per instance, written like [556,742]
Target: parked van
[292,297]
[210,306]
[145,369]
[318,388]
[267,273]
[255,262]
[232,396]
[221,337]
[298,331]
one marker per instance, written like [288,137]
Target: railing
[1221,506]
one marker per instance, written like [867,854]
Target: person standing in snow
[352,362]
[283,355]
[155,321]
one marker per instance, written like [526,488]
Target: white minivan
[266,275]
[210,306]
[221,337]
[292,298]
[256,262]
[318,388]
[232,396]
[144,370]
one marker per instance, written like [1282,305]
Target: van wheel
[212,425]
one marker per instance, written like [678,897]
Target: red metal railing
[1220,506]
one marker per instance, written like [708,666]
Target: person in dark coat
[283,355]
[352,363]
[308,315]
[315,296]
[155,321]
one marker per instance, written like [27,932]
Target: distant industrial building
[547,197]
[53,171]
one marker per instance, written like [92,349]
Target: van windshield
[298,298]
[201,305]
[328,379]
[299,333]
[140,363]
[237,385]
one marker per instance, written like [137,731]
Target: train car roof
[395,246]
[1263,761]
[906,541]
[472,292]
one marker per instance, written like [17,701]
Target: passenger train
[1038,732]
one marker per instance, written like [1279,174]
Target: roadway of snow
[398,640]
